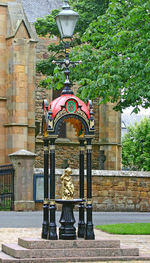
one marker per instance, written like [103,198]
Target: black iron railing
[6,187]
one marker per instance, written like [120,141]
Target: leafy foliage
[116,55]
[136,146]
[47,25]
[115,51]
[88,11]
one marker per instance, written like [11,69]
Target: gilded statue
[67,185]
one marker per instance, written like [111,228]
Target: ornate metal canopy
[71,109]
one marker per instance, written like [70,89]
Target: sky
[142,111]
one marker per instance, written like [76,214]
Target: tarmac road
[34,219]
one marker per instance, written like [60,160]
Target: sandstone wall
[113,190]
[3,82]
[17,80]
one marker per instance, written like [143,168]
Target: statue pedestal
[67,231]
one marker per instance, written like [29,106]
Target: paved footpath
[34,219]
[10,235]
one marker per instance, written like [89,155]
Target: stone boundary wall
[112,190]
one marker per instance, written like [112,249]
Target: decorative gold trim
[67,50]
[52,202]
[92,124]
[89,147]
[89,202]
[82,148]
[50,124]
[64,113]
[45,129]
[52,147]
[59,116]
[46,201]
[46,148]
[83,115]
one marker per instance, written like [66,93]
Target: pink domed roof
[57,104]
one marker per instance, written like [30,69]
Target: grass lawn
[127,229]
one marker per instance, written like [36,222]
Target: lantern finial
[66,21]
[66,5]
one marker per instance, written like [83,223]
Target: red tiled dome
[57,104]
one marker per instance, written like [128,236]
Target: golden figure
[67,185]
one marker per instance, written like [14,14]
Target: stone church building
[21,96]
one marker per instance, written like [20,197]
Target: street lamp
[66,21]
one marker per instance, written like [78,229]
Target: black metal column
[89,232]
[52,235]
[81,224]
[45,204]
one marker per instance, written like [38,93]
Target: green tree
[136,146]
[115,51]
[116,56]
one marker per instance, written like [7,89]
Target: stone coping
[3,4]
[101,173]
[23,153]
[65,141]
[16,124]
[3,98]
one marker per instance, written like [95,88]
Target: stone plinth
[36,250]
[23,162]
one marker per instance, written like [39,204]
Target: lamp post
[66,21]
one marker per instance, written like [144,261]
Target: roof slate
[39,8]
[17,16]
